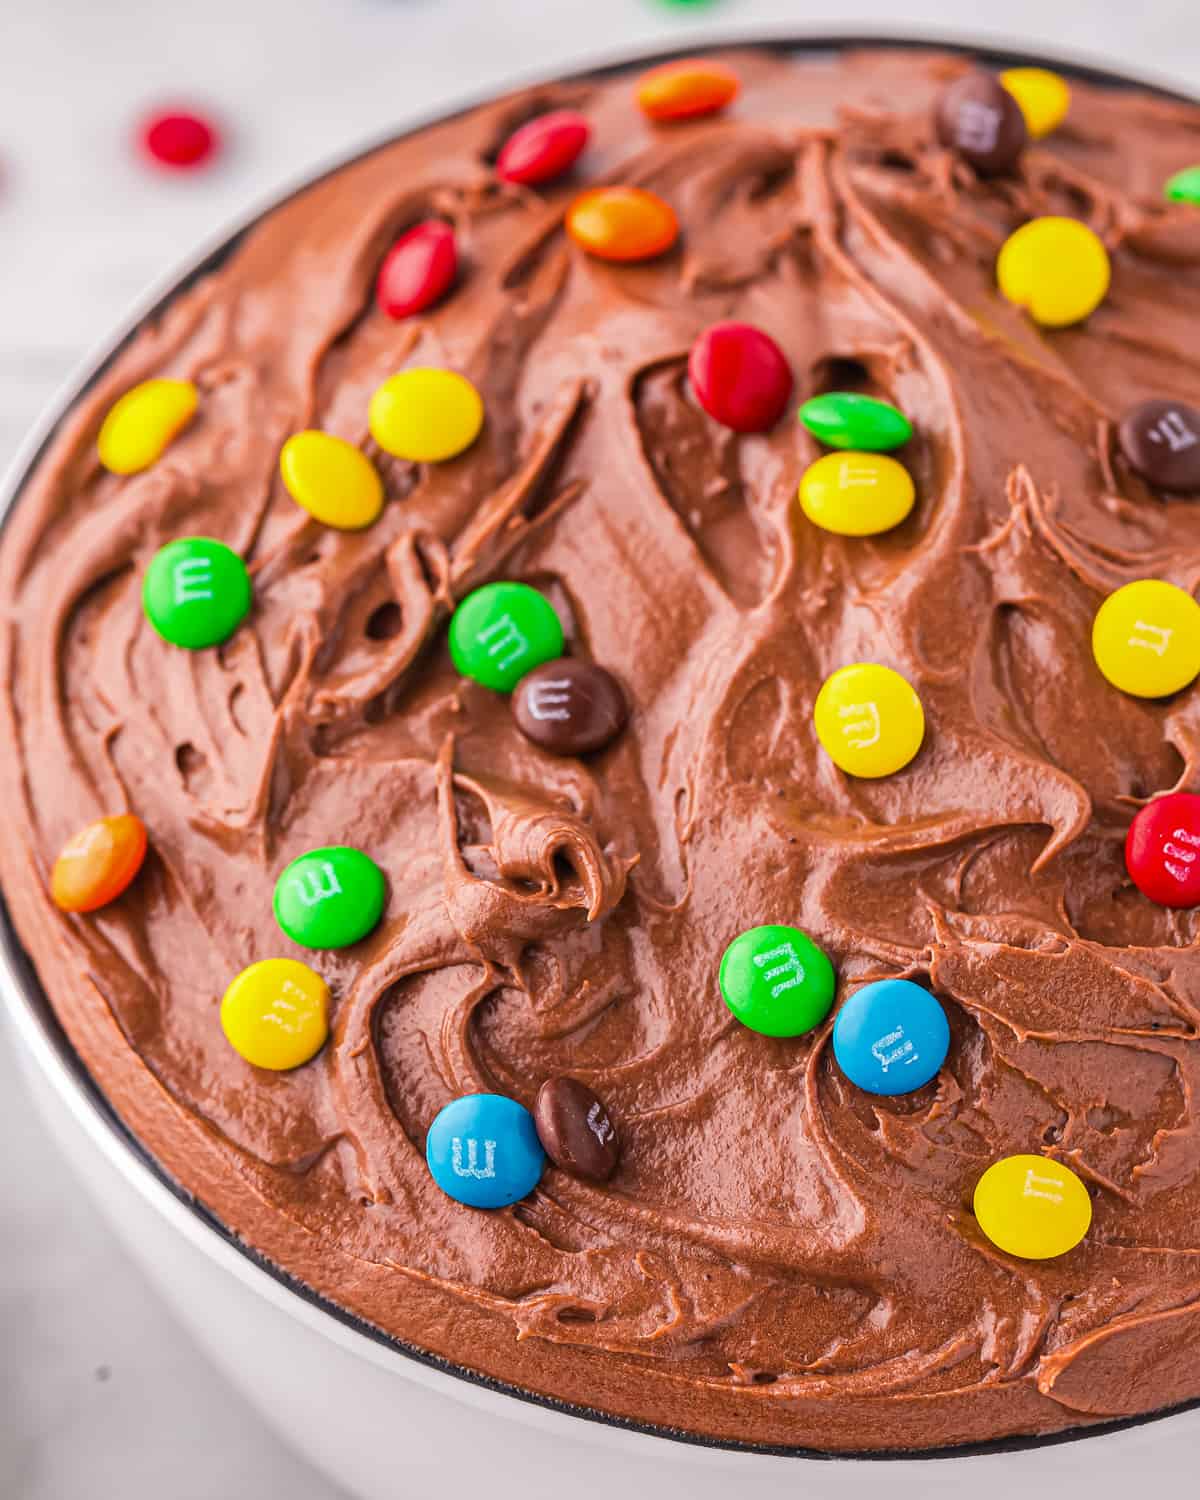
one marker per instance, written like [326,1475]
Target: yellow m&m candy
[335,482]
[275,1014]
[1044,98]
[425,416]
[869,720]
[139,426]
[856,494]
[1058,269]
[1032,1207]
[1146,638]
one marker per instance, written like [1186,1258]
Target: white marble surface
[100,1393]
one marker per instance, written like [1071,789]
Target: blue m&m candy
[483,1150]
[891,1037]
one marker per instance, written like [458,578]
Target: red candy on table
[1162,850]
[179,139]
[740,376]
[418,270]
[543,149]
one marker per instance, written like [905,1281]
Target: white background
[100,1394]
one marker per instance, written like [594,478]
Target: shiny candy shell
[330,898]
[335,482]
[846,419]
[1044,98]
[856,494]
[1058,269]
[869,720]
[740,376]
[502,631]
[544,148]
[275,1014]
[891,1037]
[418,270]
[776,981]
[425,415]
[576,1129]
[1184,187]
[1032,1207]
[139,427]
[98,863]
[1146,638]
[196,592]
[179,139]
[685,90]
[1162,850]
[1161,441]
[622,224]
[982,122]
[569,707]
[483,1150]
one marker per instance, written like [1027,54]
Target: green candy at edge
[776,981]
[502,631]
[196,592]
[1184,187]
[330,898]
[844,419]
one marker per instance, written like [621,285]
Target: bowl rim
[30,1008]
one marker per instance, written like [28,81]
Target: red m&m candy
[179,139]
[1162,850]
[740,376]
[418,269]
[543,149]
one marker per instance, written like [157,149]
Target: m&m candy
[740,376]
[685,90]
[543,149]
[869,720]
[275,1014]
[846,419]
[1162,850]
[418,270]
[483,1150]
[1184,187]
[891,1037]
[1160,440]
[776,981]
[570,707]
[1146,638]
[622,224]
[196,592]
[1044,98]
[330,898]
[1032,1207]
[139,426]
[502,631]
[1058,269]
[856,494]
[576,1130]
[335,482]
[179,139]
[425,416]
[982,122]
[98,863]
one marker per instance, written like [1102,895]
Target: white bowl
[382,1421]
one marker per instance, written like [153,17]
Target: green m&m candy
[502,631]
[196,592]
[844,419]
[777,981]
[1184,187]
[330,898]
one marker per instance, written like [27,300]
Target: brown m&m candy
[575,1129]
[1161,441]
[569,707]
[980,119]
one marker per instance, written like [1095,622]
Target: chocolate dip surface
[777,1257]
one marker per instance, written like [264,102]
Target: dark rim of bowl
[34,995]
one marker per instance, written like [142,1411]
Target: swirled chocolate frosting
[778,1257]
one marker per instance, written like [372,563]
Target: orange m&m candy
[622,223]
[98,863]
[684,90]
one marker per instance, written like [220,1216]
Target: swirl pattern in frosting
[778,1258]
